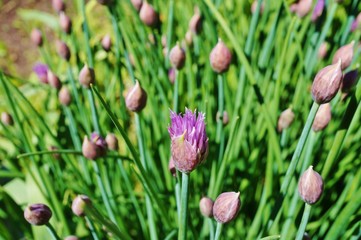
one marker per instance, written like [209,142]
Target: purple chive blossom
[317,11]
[189,140]
[42,71]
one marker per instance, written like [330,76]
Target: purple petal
[317,11]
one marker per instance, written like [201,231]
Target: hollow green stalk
[220,107]
[182,232]
[91,228]
[52,232]
[218,231]
[304,221]
[176,91]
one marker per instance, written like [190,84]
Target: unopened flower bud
[71,237]
[37,214]
[255,5]
[95,147]
[137,4]
[177,57]
[206,207]
[41,70]
[326,83]
[224,118]
[345,53]
[53,80]
[349,81]
[285,120]
[322,51]
[220,57]
[226,207]
[7,119]
[79,205]
[64,96]
[317,11]
[195,24]
[106,43]
[302,8]
[136,98]
[148,15]
[58,5]
[171,75]
[112,141]
[171,167]
[63,50]
[65,22]
[37,37]
[322,118]
[310,186]
[356,23]
[86,76]
[189,38]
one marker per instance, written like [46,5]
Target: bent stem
[182,234]
[52,231]
[304,221]
[218,230]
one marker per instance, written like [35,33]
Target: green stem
[86,35]
[218,230]
[211,228]
[304,221]
[52,231]
[220,107]
[176,90]
[91,228]
[48,153]
[300,145]
[182,234]
[93,111]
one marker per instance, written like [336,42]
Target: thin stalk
[52,231]
[220,108]
[93,111]
[86,35]
[176,90]
[218,230]
[211,228]
[91,228]
[182,234]
[304,221]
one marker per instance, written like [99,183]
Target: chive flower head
[189,141]
[37,214]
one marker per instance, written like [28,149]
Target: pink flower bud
[322,51]
[345,53]
[37,214]
[285,120]
[310,186]
[41,71]
[224,118]
[112,141]
[63,50]
[80,204]
[326,83]
[86,76]
[255,5]
[226,207]
[37,37]
[171,75]
[53,80]
[177,57]
[65,22]
[64,96]
[95,147]
[189,38]
[206,207]
[7,119]
[58,5]
[171,167]
[137,4]
[220,57]
[356,23]
[71,237]
[317,11]
[136,98]
[148,15]
[195,24]
[302,8]
[106,43]
[322,118]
